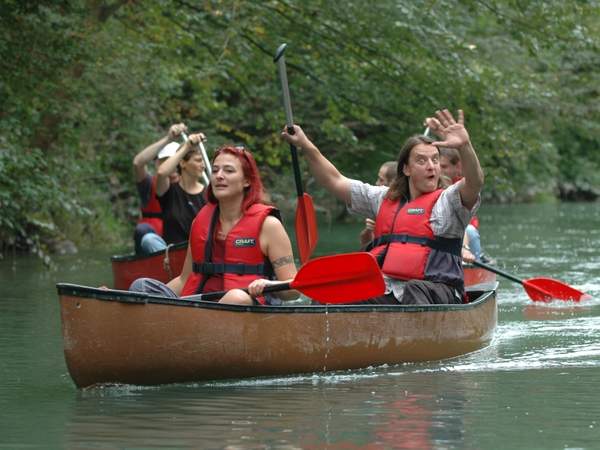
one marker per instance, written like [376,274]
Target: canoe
[477,278]
[162,265]
[119,337]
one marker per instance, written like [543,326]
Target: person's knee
[152,242]
[236,297]
[152,286]
[472,232]
[140,285]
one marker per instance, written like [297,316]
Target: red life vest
[152,212]
[243,261]
[407,248]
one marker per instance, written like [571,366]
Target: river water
[537,386]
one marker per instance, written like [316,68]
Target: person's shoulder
[452,190]
[273,227]
[358,187]
[272,222]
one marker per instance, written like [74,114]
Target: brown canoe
[132,338]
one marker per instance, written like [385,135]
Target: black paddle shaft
[212,296]
[296,166]
[497,271]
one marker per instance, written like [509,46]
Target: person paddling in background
[149,230]
[385,176]
[181,200]
[236,241]
[452,169]
[418,226]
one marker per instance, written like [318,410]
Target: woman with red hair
[236,241]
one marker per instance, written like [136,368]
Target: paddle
[541,289]
[345,278]
[306,221]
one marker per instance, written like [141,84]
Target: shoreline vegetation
[88,84]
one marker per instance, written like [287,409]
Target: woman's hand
[195,139]
[176,130]
[255,289]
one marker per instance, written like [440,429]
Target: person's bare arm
[326,174]
[276,245]
[177,283]
[146,155]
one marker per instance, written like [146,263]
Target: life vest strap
[221,268]
[448,245]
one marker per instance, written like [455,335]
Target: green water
[536,387]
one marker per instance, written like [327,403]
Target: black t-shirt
[179,210]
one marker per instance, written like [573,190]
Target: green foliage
[86,84]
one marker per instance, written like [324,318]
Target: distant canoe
[116,337]
[478,278]
[162,265]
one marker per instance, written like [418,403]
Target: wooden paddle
[541,289]
[345,278]
[306,220]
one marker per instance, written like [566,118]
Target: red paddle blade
[345,278]
[544,289]
[306,227]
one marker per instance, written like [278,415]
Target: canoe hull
[116,337]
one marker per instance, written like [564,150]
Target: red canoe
[162,265]
[478,278]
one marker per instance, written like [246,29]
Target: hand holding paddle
[345,278]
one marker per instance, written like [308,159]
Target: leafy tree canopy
[87,83]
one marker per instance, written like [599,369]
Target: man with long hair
[418,225]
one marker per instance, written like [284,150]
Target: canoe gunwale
[77,291]
[134,257]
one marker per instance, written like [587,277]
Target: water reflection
[408,411]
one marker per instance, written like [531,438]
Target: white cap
[168,150]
